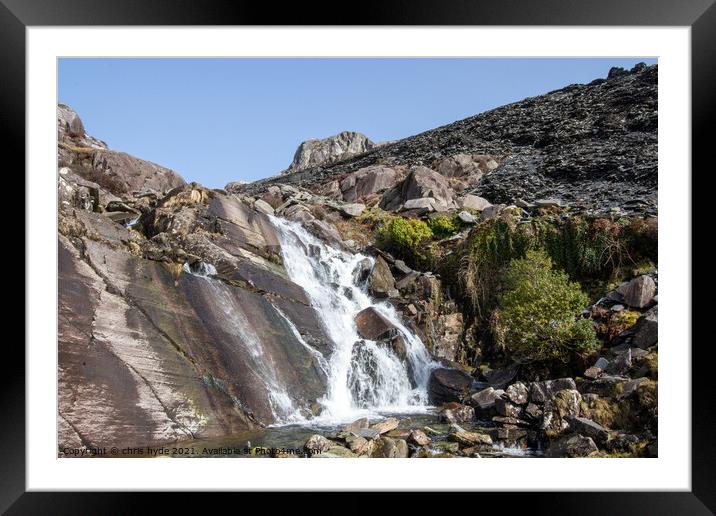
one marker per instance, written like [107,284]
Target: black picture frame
[17,15]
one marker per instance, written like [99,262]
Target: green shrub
[589,250]
[538,318]
[444,226]
[404,237]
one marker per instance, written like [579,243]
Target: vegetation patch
[538,318]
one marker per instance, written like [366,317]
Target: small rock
[485,399]
[466,217]
[587,427]
[457,413]
[386,425]
[418,437]
[318,443]
[470,438]
[621,364]
[548,203]
[518,393]
[473,202]
[639,292]
[447,385]
[263,207]
[372,325]
[571,446]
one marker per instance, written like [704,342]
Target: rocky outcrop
[367,181]
[594,146]
[116,172]
[315,152]
[421,183]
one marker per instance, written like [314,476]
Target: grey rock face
[593,146]
[367,181]
[316,152]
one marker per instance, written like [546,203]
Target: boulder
[318,443]
[492,211]
[352,209]
[639,292]
[389,448]
[472,166]
[621,364]
[446,385]
[485,399]
[542,391]
[367,433]
[456,413]
[315,152]
[359,445]
[419,438]
[386,425]
[467,217]
[367,181]
[564,405]
[372,325]
[356,425]
[548,203]
[423,182]
[424,205]
[589,428]
[500,378]
[273,196]
[473,202]
[571,446]
[263,207]
[381,283]
[518,393]
[470,438]
[506,408]
[646,330]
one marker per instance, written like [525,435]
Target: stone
[533,411]
[367,433]
[473,202]
[510,421]
[605,386]
[571,446]
[315,152]
[426,204]
[593,372]
[386,425]
[639,292]
[359,445]
[621,364]
[466,217]
[548,203]
[318,443]
[423,182]
[337,452]
[352,210]
[401,267]
[263,207]
[589,428]
[507,408]
[446,385]
[518,393]
[471,166]
[646,329]
[456,413]
[372,325]
[388,448]
[511,434]
[273,196]
[542,391]
[356,425]
[470,438]
[419,438]
[629,387]
[485,399]
[380,280]
[565,404]
[491,212]
[367,181]
[500,378]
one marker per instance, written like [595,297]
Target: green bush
[589,250]
[444,226]
[538,315]
[404,237]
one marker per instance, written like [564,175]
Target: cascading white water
[363,376]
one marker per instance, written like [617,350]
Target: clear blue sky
[221,120]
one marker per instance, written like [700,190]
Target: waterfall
[364,377]
[283,407]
